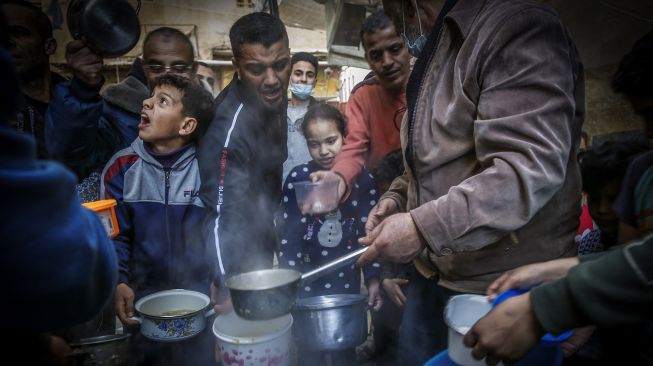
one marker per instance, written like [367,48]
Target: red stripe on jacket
[115,168]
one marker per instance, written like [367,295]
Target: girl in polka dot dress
[310,241]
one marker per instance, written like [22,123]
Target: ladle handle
[332,266]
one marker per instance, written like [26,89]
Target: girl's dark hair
[196,101]
[327,112]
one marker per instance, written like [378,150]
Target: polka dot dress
[310,241]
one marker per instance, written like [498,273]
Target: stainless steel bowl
[264,294]
[330,322]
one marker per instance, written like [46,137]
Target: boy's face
[303,73]
[163,124]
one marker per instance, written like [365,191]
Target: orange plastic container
[106,210]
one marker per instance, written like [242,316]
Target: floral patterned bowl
[172,315]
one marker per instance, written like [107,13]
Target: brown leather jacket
[495,182]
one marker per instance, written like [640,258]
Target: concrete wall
[604,31]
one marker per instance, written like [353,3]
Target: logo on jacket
[191,193]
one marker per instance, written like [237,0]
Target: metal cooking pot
[330,322]
[173,315]
[271,293]
[109,27]
[103,350]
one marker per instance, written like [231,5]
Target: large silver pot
[103,350]
[330,322]
[271,293]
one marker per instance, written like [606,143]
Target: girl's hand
[374,298]
[392,287]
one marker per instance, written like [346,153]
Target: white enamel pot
[173,315]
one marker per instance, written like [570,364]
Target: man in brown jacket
[495,108]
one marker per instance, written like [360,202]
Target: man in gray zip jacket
[495,108]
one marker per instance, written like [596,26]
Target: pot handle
[332,266]
[136,318]
[209,313]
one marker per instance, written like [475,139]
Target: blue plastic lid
[548,339]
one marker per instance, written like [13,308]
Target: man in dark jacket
[242,153]
[31,45]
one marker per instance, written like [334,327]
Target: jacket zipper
[167,222]
[411,129]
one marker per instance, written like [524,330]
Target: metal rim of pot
[99,339]
[328,301]
[250,339]
[147,298]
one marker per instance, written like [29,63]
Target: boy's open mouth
[145,121]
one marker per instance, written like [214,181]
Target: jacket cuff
[554,307]
[349,174]
[432,230]
[85,92]
[590,257]
[123,278]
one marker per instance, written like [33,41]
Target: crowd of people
[458,161]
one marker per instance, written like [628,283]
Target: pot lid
[329,301]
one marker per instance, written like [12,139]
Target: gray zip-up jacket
[492,179]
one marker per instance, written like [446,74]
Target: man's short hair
[43,24]
[169,32]
[375,22]
[196,101]
[304,56]
[260,28]
[635,73]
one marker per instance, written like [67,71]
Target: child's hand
[374,298]
[124,304]
[392,287]
[384,208]
[221,302]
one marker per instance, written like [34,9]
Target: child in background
[156,181]
[305,243]
[603,168]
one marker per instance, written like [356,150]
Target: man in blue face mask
[303,78]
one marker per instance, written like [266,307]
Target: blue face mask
[301,91]
[415,47]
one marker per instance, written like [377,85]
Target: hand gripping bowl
[462,312]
